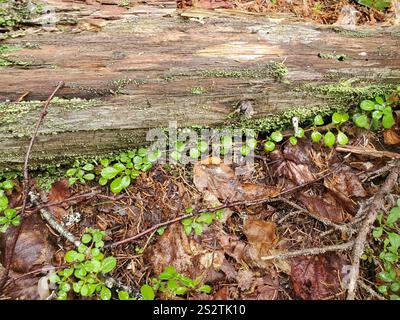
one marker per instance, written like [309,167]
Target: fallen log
[143,70]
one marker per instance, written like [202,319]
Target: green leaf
[82,248]
[388,121]
[120,183]
[316,136]
[154,155]
[194,153]
[245,150]
[383,289]
[108,264]
[376,115]
[161,230]
[10,213]
[251,143]
[142,152]
[7,185]
[77,286]
[395,286]
[187,221]
[299,133]
[377,232]
[198,228]
[109,172]
[88,167]
[276,136]
[336,118]
[329,139]
[147,292]
[293,140]
[119,166]
[318,120]
[180,290]
[342,138]
[70,256]
[393,216]
[71,172]
[54,278]
[175,155]
[206,289]
[68,272]
[203,146]
[89,176]
[172,284]
[269,146]
[105,293]
[104,162]
[367,105]
[188,229]
[361,120]
[3,202]
[394,239]
[86,238]
[379,100]
[123,295]
[85,290]
[180,146]
[206,217]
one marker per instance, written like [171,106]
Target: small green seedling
[388,235]
[87,264]
[8,216]
[197,223]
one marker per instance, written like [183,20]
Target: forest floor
[313,219]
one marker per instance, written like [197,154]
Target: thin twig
[26,182]
[373,209]
[310,251]
[224,206]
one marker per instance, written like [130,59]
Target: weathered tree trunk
[144,70]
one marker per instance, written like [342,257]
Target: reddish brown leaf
[59,192]
[33,248]
[317,277]
[325,208]
[215,177]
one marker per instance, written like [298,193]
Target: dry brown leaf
[219,179]
[323,207]
[33,248]
[392,135]
[317,277]
[59,192]
[175,248]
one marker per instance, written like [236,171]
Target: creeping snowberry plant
[8,216]
[88,265]
[387,234]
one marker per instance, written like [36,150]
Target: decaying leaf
[220,179]
[345,187]
[295,164]
[175,248]
[59,192]
[33,248]
[317,277]
[392,135]
[323,207]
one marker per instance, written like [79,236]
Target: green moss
[284,119]
[354,33]
[337,56]
[197,90]
[345,89]
[13,115]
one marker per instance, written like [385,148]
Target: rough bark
[141,71]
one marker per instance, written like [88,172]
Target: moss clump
[354,33]
[276,70]
[284,119]
[333,56]
[197,90]
[14,116]
[345,89]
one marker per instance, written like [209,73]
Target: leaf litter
[230,252]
